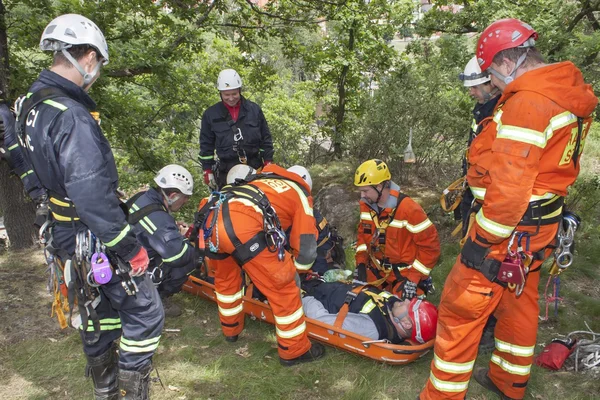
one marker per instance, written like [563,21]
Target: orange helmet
[424,317]
[501,35]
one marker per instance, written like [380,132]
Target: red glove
[189,231]
[209,178]
[139,262]
[265,163]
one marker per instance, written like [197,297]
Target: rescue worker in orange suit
[486,95]
[521,165]
[397,245]
[245,233]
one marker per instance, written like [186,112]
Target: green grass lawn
[38,361]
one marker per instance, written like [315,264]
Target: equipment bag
[554,355]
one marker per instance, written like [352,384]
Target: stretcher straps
[350,296]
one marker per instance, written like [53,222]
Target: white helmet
[472,76]
[303,173]
[239,171]
[71,30]
[229,79]
[174,176]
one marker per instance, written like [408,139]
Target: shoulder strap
[135,217]
[351,295]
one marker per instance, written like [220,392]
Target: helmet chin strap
[488,96]
[168,200]
[87,78]
[511,77]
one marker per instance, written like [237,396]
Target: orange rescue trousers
[274,278]
[467,302]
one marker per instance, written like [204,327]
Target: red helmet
[424,317]
[501,35]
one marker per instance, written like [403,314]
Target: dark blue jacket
[159,234]
[16,159]
[216,133]
[73,159]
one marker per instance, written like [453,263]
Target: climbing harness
[238,145]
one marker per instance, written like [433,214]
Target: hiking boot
[135,385]
[171,309]
[316,351]
[103,370]
[487,344]
[232,339]
[481,376]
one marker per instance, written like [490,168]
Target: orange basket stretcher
[378,350]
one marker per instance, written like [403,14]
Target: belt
[539,212]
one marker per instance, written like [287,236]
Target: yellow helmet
[372,172]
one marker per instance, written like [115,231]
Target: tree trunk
[338,132]
[19,214]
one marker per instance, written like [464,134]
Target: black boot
[103,370]
[487,344]
[316,351]
[135,385]
[481,376]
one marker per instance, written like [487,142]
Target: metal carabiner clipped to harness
[566,238]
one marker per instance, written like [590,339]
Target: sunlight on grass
[17,387]
[189,373]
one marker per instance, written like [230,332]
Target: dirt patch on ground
[25,303]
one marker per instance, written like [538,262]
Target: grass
[197,363]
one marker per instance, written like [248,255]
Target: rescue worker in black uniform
[75,164]
[171,255]
[330,250]
[236,128]
[487,96]
[12,152]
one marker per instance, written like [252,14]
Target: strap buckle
[350,297]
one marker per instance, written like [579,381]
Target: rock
[340,207]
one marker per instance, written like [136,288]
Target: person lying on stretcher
[371,312]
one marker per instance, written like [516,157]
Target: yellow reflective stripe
[553,214]
[366,216]
[206,157]
[228,312]
[474,125]
[146,227]
[511,368]
[420,227]
[368,307]
[290,319]
[524,135]
[544,196]
[397,223]
[178,256]
[150,223]
[247,203]
[61,218]
[453,368]
[303,199]
[59,202]
[26,173]
[292,332]
[302,267]
[478,193]
[106,324]
[418,265]
[493,227]
[230,298]
[520,351]
[55,104]
[362,247]
[14,146]
[120,237]
[560,121]
[139,346]
[447,386]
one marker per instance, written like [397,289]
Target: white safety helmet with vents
[472,76]
[229,79]
[70,30]
[174,176]
[303,173]
[239,171]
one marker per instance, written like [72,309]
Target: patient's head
[414,319]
